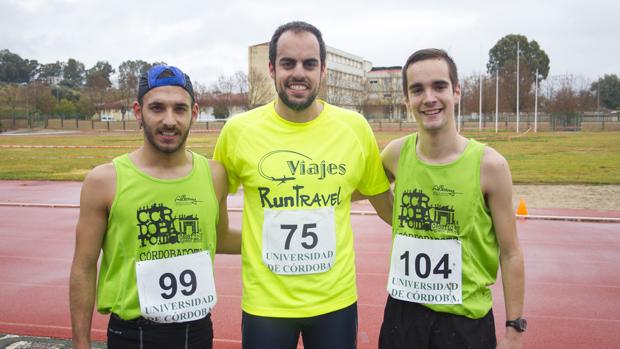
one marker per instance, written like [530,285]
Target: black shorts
[411,325]
[335,330]
[145,334]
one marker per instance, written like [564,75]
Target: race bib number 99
[425,271]
[299,241]
[177,289]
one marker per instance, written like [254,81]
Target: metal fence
[505,122]
[61,123]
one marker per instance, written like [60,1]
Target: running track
[572,273]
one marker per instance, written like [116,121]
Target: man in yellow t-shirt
[299,160]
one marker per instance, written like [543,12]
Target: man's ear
[137,112]
[272,71]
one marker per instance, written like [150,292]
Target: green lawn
[551,158]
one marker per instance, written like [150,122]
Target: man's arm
[95,200]
[496,183]
[383,205]
[384,202]
[390,156]
[228,239]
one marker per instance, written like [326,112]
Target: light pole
[536,103]
[496,99]
[480,102]
[517,87]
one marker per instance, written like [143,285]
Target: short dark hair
[296,27]
[430,53]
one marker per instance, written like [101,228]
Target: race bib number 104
[177,289]
[299,241]
[426,271]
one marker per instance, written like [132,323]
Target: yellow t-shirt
[297,242]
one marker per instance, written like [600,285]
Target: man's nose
[298,71]
[169,119]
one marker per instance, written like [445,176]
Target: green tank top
[153,219]
[445,201]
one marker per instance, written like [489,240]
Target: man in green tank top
[156,216]
[453,225]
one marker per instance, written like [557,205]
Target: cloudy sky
[208,38]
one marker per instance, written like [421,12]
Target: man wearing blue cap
[157,214]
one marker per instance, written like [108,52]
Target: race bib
[426,271]
[299,241]
[177,289]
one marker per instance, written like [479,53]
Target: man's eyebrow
[414,85]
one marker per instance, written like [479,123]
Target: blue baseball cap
[164,75]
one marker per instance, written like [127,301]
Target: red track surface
[572,273]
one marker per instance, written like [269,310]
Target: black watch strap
[519,324]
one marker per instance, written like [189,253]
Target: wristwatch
[519,324]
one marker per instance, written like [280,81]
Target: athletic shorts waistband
[141,321]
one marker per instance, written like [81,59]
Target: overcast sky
[208,38]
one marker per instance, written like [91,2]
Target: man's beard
[297,106]
[150,137]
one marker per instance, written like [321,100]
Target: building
[385,98]
[343,85]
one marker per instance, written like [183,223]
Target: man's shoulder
[493,162]
[344,113]
[491,155]
[100,178]
[102,172]
[397,143]
[249,116]
[348,119]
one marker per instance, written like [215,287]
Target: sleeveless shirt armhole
[117,162]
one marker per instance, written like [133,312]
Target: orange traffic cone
[522,210]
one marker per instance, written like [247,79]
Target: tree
[51,70]
[129,76]
[98,82]
[220,111]
[242,84]
[14,69]
[65,108]
[73,74]
[608,89]
[9,98]
[504,55]
[503,59]
[564,104]
[260,90]
[223,91]
[98,77]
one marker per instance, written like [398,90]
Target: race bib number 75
[299,241]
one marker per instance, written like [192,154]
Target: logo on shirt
[159,225]
[185,199]
[286,165]
[416,212]
[442,190]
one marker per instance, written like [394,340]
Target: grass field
[542,158]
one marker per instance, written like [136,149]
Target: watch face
[519,324]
